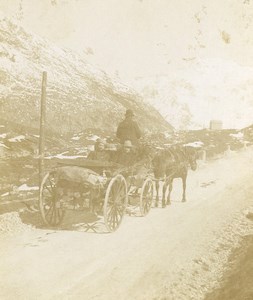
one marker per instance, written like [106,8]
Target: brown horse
[173,163]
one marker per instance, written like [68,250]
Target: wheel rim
[51,212]
[115,202]
[146,198]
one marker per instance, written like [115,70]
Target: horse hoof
[168,203]
[156,205]
[183,200]
[164,205]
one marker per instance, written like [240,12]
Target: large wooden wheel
[51,212]
[146,196]
[115,202]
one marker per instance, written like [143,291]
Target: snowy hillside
[202,90]
[79,96]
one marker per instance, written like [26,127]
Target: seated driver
[99,152]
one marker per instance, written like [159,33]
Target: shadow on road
[74,220]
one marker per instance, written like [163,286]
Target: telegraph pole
[42,126]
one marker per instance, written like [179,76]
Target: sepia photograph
[126,150]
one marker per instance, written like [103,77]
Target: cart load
[101,187]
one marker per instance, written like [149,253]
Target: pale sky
[141,37]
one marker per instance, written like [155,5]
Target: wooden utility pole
[42,126]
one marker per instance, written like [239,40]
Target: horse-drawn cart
[79,185]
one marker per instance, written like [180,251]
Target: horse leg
[170,190]
[184,187]
[157,193]
[165,184]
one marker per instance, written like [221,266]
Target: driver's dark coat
[128,129]
[124,158]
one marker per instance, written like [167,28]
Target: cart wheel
[115,202]
[146,197]
[50,209]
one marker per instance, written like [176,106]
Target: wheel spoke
[112,191]
[121,188]
[146,197]
[109,211]
[118,187]
[149,188]
[49,215]
[147,204]
[120,199]
[116,190]
[121,213]
[110,201]
[50,208]
[55,216]
[111,218]
[59,214]
[51,181]
[121,208]
[49,189]
[117,217]
[114,218]
[114,206]
[52,216]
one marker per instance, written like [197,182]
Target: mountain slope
[200,90]
[78,95]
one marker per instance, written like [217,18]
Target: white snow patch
[25,187]
[3,135]
[5,194]
[18,138]
[81,150]
[238,135]
[76,138]
[92,138]
[197,144]
[61,156]
[3,145]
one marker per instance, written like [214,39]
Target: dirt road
[175,253]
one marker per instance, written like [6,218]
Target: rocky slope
[79,96]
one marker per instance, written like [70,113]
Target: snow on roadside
[204,271]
